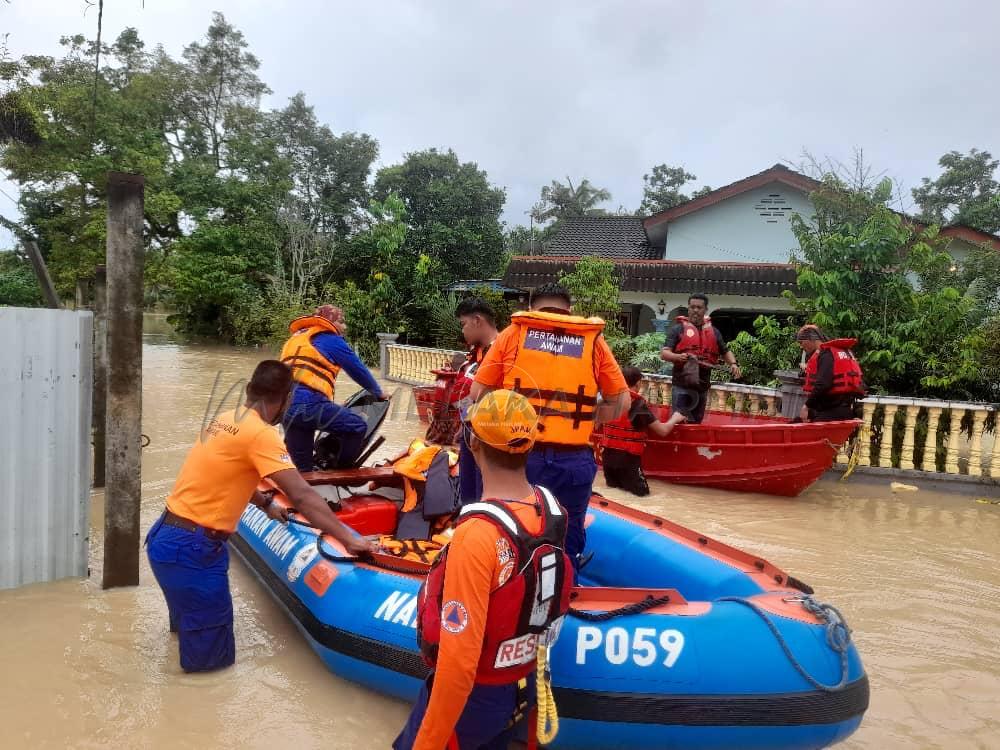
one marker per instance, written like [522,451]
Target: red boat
[727,451]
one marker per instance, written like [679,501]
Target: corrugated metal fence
[46,379]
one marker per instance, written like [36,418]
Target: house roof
[468,285]
[605,236]
[665,276]
[655,225]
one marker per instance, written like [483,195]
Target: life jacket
[309,366]
[467,372]
[701,342]
[621,435]
[522,607]
[415,468]
[554,368]
[847,376]
[414,550]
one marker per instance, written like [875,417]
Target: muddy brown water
[917,575]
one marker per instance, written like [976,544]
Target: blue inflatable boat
[675,640]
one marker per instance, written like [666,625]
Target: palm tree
[561,201]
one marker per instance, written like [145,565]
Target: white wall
[46,380]
[738,230]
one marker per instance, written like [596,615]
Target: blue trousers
[304,418]
[469,479]
[483,723]
[569,475]
[193,572]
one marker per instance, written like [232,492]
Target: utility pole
[42,274]
[100,403]
[124,379]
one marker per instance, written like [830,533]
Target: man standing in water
[317,351]
[694,337]
[561,362]
[187,545]
[478,626]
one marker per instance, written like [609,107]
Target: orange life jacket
[413,468]
[847,376]
[309,366]
[554,369]
[701,342]
[621,435]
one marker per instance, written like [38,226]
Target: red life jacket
[467,372]
[847,376]
[701,342]
[622,435]
[523,607]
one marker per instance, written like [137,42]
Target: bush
[18,285]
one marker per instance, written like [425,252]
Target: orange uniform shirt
[499,360]
[219,475]
[478,558]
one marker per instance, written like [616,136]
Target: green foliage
[18,285]
[662,188]
[594,286]
[453,213]
[647,353]
[965,192]
[560,201]
[771,347]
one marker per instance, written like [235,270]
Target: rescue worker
[480,620]
[561,362]
[834,381]
[694,337]
[624,439]
[187,545]
[316,352]
[479,329]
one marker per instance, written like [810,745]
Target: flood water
[917,575]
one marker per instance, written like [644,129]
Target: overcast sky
[533,91]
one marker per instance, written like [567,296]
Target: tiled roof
[606,236]
[666,276]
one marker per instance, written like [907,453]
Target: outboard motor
[326,452]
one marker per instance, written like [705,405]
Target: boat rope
[864,433]
[629,609]
[367,560]
[547,721]
[838,635]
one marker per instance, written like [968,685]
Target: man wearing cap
[477,627]
[834,381]
[562,364]
[317,351]
[187,545]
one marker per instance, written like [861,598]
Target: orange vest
[702,342]
[554,368]
[309,366]
[413,468]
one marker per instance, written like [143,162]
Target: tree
[453,212]
[560,201]
[662,188]
[18,285]
[964,193]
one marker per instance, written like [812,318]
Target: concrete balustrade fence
[909,434]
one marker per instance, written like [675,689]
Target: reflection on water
[917,575]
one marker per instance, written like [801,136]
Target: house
[733,244]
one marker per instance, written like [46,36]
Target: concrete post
[384,339]
[99,418]
[82,296]
[124,376]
